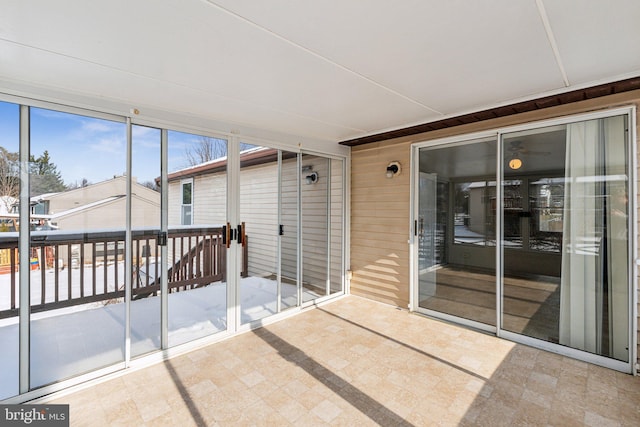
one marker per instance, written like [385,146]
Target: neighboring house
[197,196]
[100,205]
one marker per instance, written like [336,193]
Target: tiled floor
[355,362]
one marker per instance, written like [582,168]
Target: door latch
[162,238]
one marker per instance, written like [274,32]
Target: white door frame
[631,366]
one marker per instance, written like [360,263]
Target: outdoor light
[313,178]
[393,169]
[515,163]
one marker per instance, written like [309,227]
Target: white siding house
[259,211]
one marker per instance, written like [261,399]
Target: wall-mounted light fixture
[393,169]
[312,178]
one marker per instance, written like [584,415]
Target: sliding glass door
[120,239]
[546,229]
[196,251]
[268,211]
[76,262]
[566,206]
[10,187]
[455,231]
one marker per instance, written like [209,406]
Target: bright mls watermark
[34,415]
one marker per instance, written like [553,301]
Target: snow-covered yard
[71,341]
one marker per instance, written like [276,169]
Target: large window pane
[9,286]
[77,224]
[197,194]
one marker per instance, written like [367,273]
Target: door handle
[242,236]
[226,235]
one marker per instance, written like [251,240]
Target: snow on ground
[69,342]
[63,280]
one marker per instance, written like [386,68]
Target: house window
[187,202]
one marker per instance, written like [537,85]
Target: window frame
[184,182]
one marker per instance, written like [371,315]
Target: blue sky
[95,149]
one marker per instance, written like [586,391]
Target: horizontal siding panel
[380,225]
[394,298]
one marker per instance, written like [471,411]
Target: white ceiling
[329,70]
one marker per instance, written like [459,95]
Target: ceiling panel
[200,48]
[596,39]
[451,56]
[329,69]
[79,77]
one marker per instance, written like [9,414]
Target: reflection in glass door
[455,231]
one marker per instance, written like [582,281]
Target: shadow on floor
[373,409]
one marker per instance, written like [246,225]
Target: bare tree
[9,177]
[83,183]
[153,185]
[207,149]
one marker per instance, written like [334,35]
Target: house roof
[85,207]
[326,70]
[252,157]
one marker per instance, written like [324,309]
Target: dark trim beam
[507,110]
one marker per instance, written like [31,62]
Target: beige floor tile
[358,363]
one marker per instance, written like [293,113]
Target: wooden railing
[79,268]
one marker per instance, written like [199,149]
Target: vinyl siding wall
[259,210]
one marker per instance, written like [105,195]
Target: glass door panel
[9,282]
[456,230]
[315,226]
[197,211]
[336,220]
[572,287]
[289,183]
[259,188]
[146,268]
[77,223]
